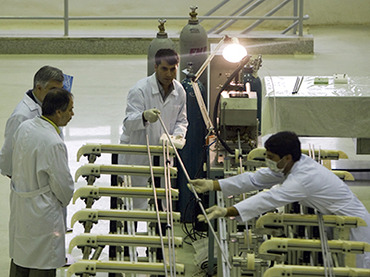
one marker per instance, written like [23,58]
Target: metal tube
[181,17]
[209,59]
[235,12]
[301,17]
[291,26]
[66,18]
[215,8]
[247,10]
[258,22]
[295,13]
[32,17]
[193,190]
[97,253]
[221,17]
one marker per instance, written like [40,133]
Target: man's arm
[134,119]
[263,178]
[278,196]
[61,181]
[6,152]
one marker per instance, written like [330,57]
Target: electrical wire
[192,234]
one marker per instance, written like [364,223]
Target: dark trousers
[18,271]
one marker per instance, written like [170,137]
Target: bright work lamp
[234,52]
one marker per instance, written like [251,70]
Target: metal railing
[240,13]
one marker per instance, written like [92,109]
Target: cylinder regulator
[193,46]
[160,42]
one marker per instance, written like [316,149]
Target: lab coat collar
[52,123]
[296,164]
[155,89]
[32,105]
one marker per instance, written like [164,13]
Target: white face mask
[273,166]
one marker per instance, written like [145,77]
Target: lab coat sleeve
[262,179]
[182,121]
[134,110]
[60,179]
[290,191]
[6,151]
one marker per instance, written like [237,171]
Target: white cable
[155,202]
[241,166]
[171,209]
[328,260]
[130,224]
[168,200]
[223,234]
[195,193]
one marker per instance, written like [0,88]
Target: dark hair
[169,55]
[56,99]
[284,143]
[46,74]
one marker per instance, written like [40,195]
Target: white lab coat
[26,109]
[41,186]
[145,95]
[309,183]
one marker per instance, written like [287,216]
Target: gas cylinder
[160,42]
[193,46]
[193,154]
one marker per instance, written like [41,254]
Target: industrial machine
[283,242]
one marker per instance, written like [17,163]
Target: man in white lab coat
[157,94]
[300,179]
[41,187]
[45,79]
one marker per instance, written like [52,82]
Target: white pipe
[156,203]
[195,193]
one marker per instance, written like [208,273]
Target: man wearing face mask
[299,179]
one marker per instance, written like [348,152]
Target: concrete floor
[100,87]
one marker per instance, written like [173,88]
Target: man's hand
[201,185]
[151,115]
[213,212]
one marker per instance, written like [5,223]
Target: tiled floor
[101,84]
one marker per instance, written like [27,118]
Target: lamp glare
[234,53]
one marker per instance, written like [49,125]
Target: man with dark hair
[299,179]
[41,188]
[45,79]
[157,94]
[168,55]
